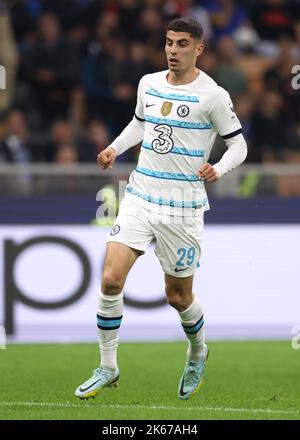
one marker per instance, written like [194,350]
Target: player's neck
[176,78]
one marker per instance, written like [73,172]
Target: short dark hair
[187,25]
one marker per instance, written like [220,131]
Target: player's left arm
[133,133]
[229,127]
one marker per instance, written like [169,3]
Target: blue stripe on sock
[108,323]
[191,329]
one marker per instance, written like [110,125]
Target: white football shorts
[177,237]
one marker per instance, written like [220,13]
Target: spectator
[209,62]
[200,14]
[274,19]
[8,58]
[128,11]
[23,21]
[15,145]
[288,186]
[188,8]
[110,96]
[66,154]
[137,64]
[228,74]
[98,139]
[62,133]
[68,12]
[52,67]
[92,11]
[226,17]
[269,128]
[107,25]
[279,77]
[150,25]
[243,107]
[293,140]
[71,18]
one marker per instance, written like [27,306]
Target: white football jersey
[181,124]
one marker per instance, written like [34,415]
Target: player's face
[182,51]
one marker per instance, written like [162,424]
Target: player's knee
[178,296]
[175,298]
[112,283]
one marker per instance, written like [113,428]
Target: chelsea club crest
[183,110]
[115,230]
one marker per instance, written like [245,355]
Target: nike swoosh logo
[149,105]
[179,270]
[85,389]
[181,392]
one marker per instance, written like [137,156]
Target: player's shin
[192,321]
[109,318]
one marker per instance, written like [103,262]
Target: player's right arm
[130,136]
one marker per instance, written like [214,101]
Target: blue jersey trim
[172,96]
[180,124]
[173,203]
[167,175]
[178,150]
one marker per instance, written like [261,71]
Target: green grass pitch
[243,380]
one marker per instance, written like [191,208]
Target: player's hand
[107,158]
[208,173]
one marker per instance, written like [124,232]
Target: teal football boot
[102,377]
[192,378]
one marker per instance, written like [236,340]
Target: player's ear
[200,48]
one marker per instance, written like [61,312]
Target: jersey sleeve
[133,133]
[223,116]
[139,109]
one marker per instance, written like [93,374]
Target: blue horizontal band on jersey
[105,323]
[196,204]
[139,119]
[192,329]
[172,96]
[167,175]
[234,133]
[178,150]
[179,124]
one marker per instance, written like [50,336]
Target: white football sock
[192,321]
[109,318]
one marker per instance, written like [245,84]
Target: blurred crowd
[73,66]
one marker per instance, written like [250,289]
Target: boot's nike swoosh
[181,392]
[85,389]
